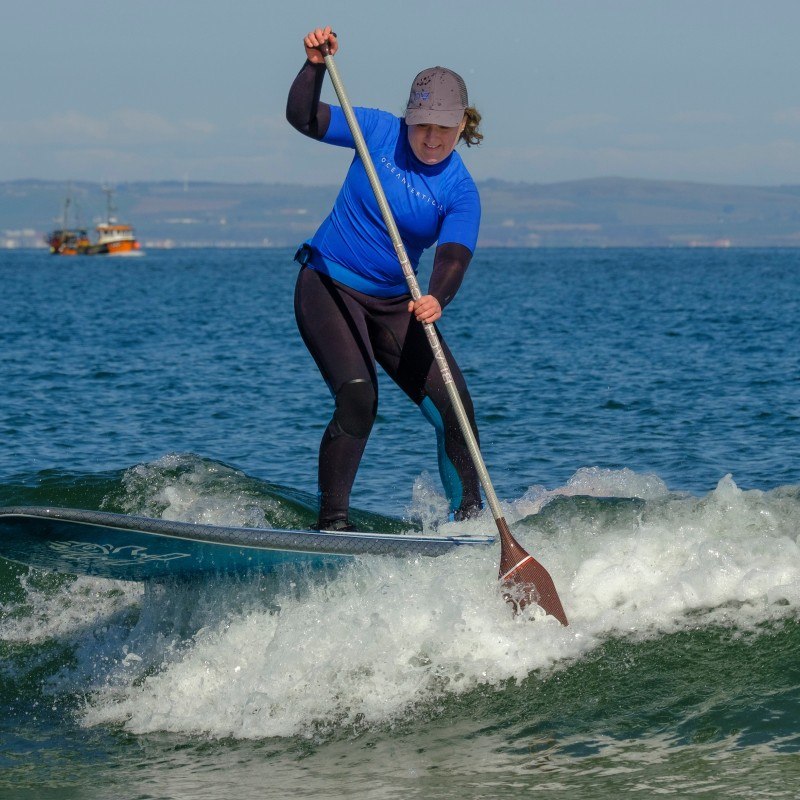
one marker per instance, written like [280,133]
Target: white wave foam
[732,556]
[56,608]
[595,482]
[358,651]
[372,644]
[184,487]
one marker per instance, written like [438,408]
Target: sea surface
[639,413]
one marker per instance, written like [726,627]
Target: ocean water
[639,414]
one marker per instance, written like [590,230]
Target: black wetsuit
[347,332]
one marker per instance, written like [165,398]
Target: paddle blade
[525,579]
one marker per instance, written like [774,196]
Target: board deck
[129,548]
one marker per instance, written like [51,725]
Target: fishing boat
[114,238]
[66,240]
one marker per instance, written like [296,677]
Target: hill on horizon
[597,212]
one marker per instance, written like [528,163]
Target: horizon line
[597,179]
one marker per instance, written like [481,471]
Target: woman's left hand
[426,309]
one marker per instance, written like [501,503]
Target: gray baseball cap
[438,97]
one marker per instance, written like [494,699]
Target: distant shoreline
[481,248]
[601,212]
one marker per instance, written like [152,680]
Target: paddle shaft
[413,286]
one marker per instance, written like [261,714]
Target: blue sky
[700,90]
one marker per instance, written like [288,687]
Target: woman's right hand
[314,40]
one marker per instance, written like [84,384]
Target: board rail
[126,547]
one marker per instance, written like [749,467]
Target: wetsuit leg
[402,349]
[333,327]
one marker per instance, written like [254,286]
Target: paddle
[524,578]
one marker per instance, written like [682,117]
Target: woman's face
[431,144]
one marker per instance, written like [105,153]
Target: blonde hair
[470,135]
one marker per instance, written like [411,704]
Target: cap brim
[427,116]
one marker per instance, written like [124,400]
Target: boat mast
[66,212]
[109,204]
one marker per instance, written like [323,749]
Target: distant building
[25,238]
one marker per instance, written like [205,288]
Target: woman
[352,303]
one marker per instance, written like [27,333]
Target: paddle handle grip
[413,285]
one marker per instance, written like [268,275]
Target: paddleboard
[130,548]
